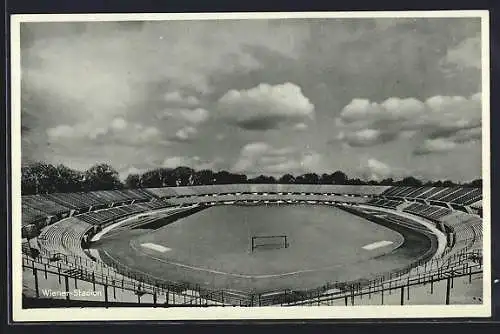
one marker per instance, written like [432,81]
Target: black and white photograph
[250,166]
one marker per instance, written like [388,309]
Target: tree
[223,177]
[410,181]
[478,183]
[356,182]
[102,177]
[39,178]
[263,179]
[183,176]
[133,181]
[326,179]
[339,177]
[287,179]
[68,180]
[448,183]
[309,178]
[203,177]
[387,182]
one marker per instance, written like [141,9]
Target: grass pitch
[212,248]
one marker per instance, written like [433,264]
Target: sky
[375,98]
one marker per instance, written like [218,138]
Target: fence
[74,285]
[69,273]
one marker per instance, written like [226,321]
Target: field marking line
[156,247]
[377,244]
[442,241]
[107,229]
[213,271]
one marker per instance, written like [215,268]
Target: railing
[111,287]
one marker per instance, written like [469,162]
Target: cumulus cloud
[444,142]
[117,131]
[198,115]
[435,146]
[374,169]
[195,162]
[365,137]
[260,157]
[186,134]
[366,123]
[176,97]
[300,126]
[467,54]
[266,106]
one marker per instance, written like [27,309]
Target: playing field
[212,248]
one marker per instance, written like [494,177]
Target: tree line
[41,178]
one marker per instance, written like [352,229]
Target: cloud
[467,54]
[117,131]
[300,126]
[374,169]
[194,162]
[449,141]
[186,134]
[176,97]
[365,137]
[262,158]
[118,124]
[198,115]
[266,106]
[366,123]
[438,145]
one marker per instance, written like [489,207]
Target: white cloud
[194,162]
[266,106]
[177,98]
[173,162]
[373,169]
[198,115]
[467,54]
[61,132]
[186,133]
[262,158]
[118,124]
[366,123]
[118,131]
[436,146]
[300,126]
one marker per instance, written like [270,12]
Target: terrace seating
[427,211]
[136,194]
[225,189]
[443,194]
[44,205]
[468,198]
[153,205]
[31,215]
[77,200]
[385,203]
[456,194]
[429,193]
[63,237]
[102,217]
[417,191]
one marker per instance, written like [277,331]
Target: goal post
[269,242]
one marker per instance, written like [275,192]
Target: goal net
[269,242]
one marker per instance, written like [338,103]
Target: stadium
[254,245]
[248,162]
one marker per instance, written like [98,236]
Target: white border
[241,313]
